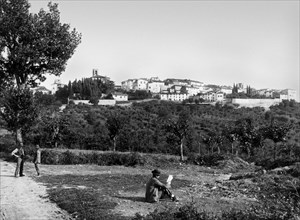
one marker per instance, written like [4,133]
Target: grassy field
[117,192]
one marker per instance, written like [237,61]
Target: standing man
[37,159]
[20,155]
[153,187]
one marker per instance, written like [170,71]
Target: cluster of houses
[182,89]
[177,89]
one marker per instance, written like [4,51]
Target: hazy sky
[216,42]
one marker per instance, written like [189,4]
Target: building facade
[155,86]
[56,85]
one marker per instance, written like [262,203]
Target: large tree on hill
[277,133]
[115,123]
[179,128]
[31,45]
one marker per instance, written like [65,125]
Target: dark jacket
[152,188]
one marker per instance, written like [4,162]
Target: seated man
[154,186]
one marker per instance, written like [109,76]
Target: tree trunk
[274,151]
[181,149]
[248,152]
[236,151]
[19,138]
[232,152]
[115,143]
[199,148]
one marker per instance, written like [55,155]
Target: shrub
[68,157]
[49,157]
[190,211]
[186,212]
[270,164]
[206,160]
[134,159]
[105,159]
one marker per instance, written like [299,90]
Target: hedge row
[102,159]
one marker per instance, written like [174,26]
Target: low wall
[101,102]
[107,102]
[265,103]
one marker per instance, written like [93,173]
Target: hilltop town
[179,90]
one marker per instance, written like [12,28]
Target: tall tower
[95,72]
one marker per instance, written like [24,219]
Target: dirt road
[23,198]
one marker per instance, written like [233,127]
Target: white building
[194,83]
[226,89]
[41,89]
[140,84]
[218,96]
[288,94]
[192,90]
[120,96]
[155,86]
[56,85]
[127,84]
[174,96]
[209,96]
[134,84]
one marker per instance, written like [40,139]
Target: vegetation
[254,134]
[31,45]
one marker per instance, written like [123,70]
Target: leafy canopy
[33,44]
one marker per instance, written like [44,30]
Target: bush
[295,171]
[50,157]
[206,160]
[105,159]
[186,212]
[190,211]
[134,159]
[68,157]
[270,164]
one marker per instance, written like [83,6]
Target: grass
[95,196]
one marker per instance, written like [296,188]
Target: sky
[215,42]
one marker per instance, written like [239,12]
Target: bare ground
[23,198]
[26,197]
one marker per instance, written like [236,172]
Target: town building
[118,96]
[192,91]
[96,76]
[140,84]
[41,89]
[173,96]
[218,96]
[127,85]
[155,86]
[56,85]
[288,94]
[209,96]
[226,89]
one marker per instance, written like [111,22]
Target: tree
[179,128]
[62,94]
[20,111]
[114,124]
[276,133]
[31,45]
[246,134]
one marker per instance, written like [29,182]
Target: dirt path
[23,198]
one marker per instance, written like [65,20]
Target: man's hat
[157,172]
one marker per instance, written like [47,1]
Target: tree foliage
[20,110]
[33,44]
